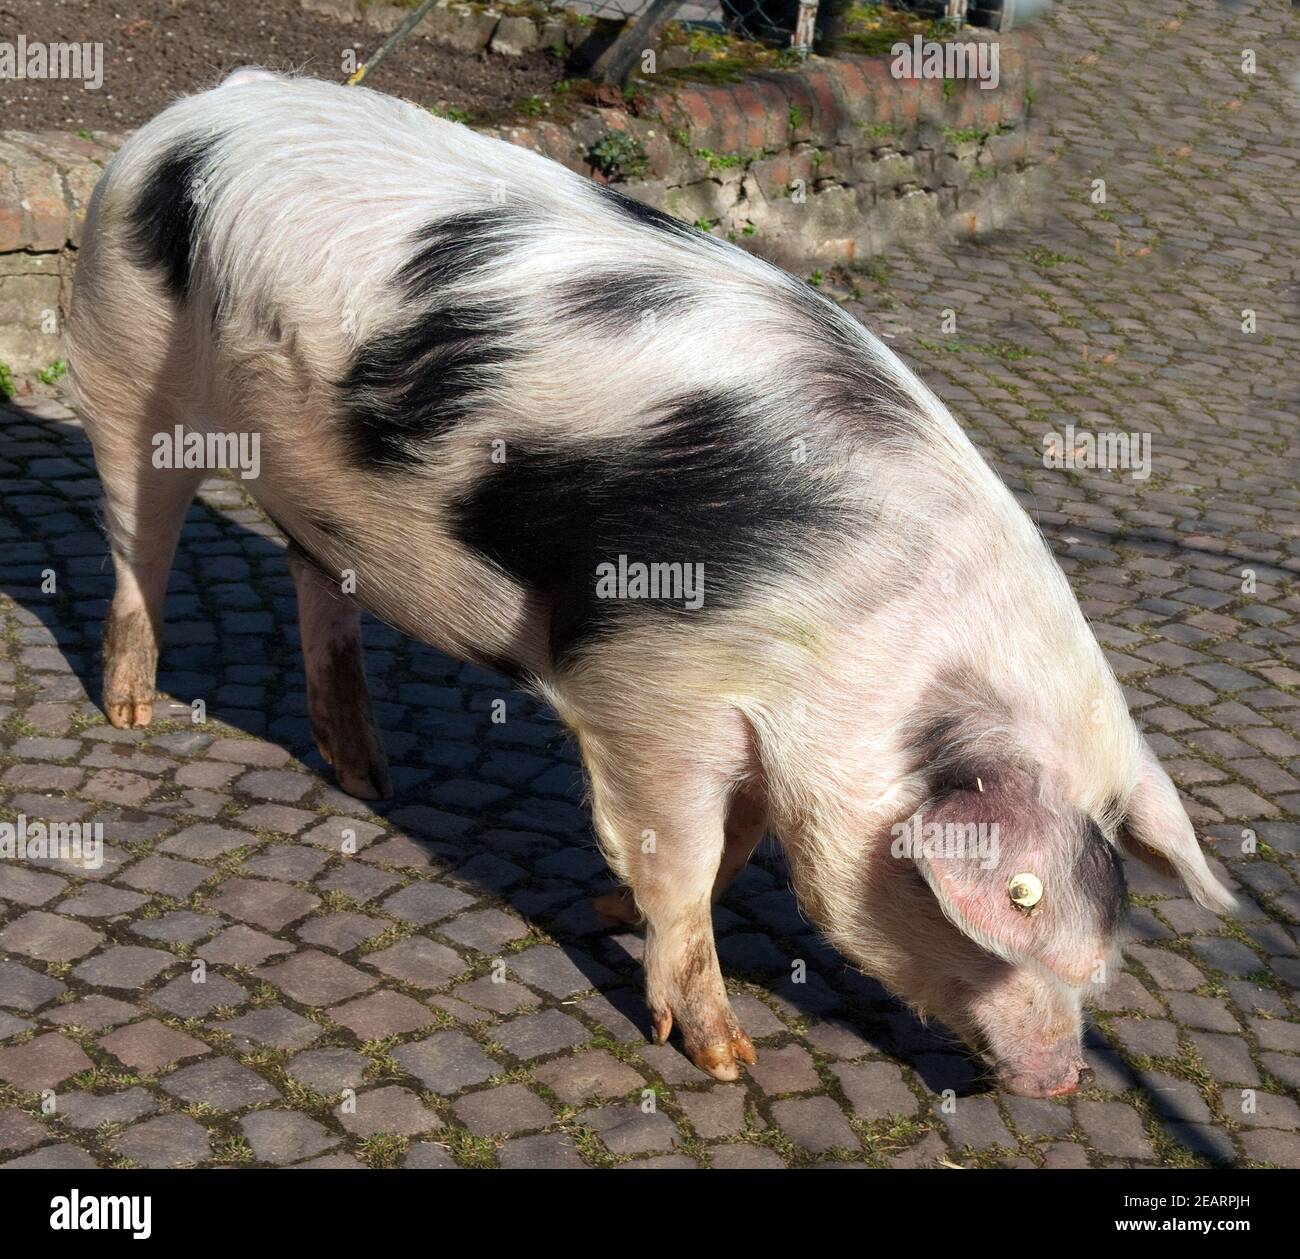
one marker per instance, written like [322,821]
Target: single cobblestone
[588,1076]
[506,1109]
[315,979]
[42,1063]
[391,1109]
[283,1136]
[548,1150]
[446,1062]
[86,1110]
[168,1141]
[627,1129]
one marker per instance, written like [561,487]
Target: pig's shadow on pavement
[496,805]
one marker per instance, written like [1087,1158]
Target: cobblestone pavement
[327,972]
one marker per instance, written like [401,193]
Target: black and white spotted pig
[477,378]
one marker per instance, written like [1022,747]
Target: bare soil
[157,50]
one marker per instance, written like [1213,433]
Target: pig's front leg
[684,985]
[338,699]
[666,836]
[746,826]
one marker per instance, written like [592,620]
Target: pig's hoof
[722,1059]
[718,1054]
[130,658]
[618,908]
[124,713]
[361,770]
[373,783]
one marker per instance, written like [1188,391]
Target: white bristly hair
[942,604]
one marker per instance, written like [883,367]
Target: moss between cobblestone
[384,1149]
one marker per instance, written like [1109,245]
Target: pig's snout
[1044,1077]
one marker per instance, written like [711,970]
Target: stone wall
[824,165]
[46,179]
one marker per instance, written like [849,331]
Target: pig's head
[999,909]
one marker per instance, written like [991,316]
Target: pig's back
[351,216]
[528,375]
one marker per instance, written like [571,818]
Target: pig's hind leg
[132,374]
[338,699]
[664,833]
[143,511]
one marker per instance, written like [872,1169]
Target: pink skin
[1056,1072]
[1031,1029]
[1027,1028]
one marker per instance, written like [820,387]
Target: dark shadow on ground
[495,807]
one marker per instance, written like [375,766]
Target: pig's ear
[1044,891]
[1158,832]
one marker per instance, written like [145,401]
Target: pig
[515,414]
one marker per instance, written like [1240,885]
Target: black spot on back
[838,368]
[407,387]
[166,212]
[647,215]
[706,483]
[456,247]
[616,300]
[851,381]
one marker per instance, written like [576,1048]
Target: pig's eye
[1025,890]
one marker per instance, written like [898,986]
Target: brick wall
[46,179]
[828,164]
